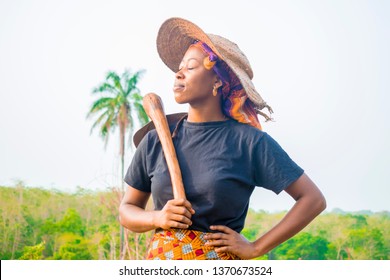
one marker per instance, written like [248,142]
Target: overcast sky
[322,65]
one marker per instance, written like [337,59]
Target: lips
[178,87]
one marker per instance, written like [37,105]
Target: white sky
[322,65]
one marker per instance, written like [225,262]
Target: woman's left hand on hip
[228,240]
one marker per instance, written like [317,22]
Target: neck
[205,114]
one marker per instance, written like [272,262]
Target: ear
[218,83]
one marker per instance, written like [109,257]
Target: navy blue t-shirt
[221,163]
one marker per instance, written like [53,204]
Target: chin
[180,99]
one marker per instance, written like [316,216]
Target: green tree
[335,228]
[360,221]
[73,247]
[33,252]
[72,222]
[366,244]
[303,246]
[120,104]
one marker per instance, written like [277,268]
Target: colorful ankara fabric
[235,101]
[178,244]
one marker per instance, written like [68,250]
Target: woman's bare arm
[309,203]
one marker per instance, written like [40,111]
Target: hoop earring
[215,92]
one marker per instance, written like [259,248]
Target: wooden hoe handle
[154,109]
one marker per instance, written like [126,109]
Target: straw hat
[177,34]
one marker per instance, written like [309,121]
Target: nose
[179,75]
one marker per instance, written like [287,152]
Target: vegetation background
[37,223]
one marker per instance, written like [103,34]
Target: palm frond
[131,84]
[114,77]
[126,74]
[107,125]
[102,103]
[103,121]
[105,88]
[136,101]
[99,120]
[131,129]
[104,131]
[137,97]
[141,114]
[130,120]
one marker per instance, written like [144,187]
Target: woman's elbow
[320,203]
[121,214]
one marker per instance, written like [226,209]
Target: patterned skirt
[179,244]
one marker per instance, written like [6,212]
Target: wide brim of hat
[171,118]
[174,38]
[177,34]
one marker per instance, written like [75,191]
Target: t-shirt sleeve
[274,169]
[137,173]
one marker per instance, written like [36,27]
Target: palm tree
[119,105]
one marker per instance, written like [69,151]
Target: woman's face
[193,82]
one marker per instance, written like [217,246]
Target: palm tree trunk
[122,154]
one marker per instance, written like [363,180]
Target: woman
[222,152]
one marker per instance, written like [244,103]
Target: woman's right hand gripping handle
[176,213]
